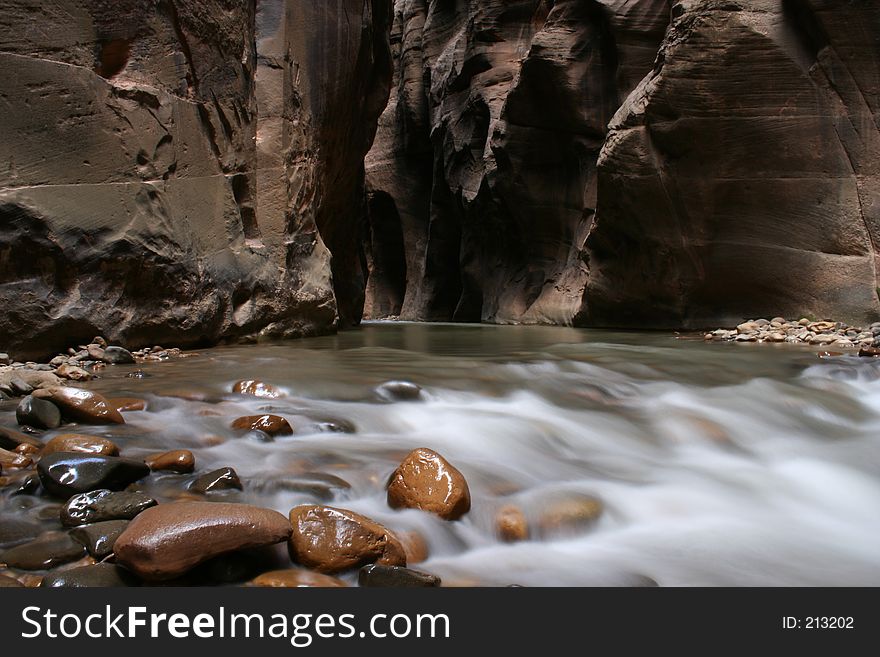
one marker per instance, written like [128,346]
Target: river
[716,464]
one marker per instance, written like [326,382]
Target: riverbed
[714,464]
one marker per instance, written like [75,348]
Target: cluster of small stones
[84,362]
[837,335]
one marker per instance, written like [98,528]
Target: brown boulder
[332,540]
[427,481]
[180,461]
[73,442]
[167,540]
[257,389]
[81,405]
[296,578]
[274,425]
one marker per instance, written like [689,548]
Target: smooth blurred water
[718,464]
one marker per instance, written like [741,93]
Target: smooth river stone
[74,442]
[126,404]
[273,425]
[10,439]
[7,582]
[170,539]
[399,391]
[117,356]
[395,577]
[65,474]
[180,461]
[49,550]
[569,515]
[14,460]
[103,505]
[80,405]
[38,413]
[99,538]
[511,524]
[99,575]
[217,480]
[427,481]
[296,578]
[332,540]
[15,531]
[257,389]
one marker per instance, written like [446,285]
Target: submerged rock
[427,481]
[399,391]
[511,524]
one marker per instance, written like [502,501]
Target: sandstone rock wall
[628,162]
[482,181]
[165,165]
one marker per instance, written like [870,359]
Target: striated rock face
[482,181]
[166,166]
[741,177]
[628,162]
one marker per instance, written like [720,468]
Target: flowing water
[716,464]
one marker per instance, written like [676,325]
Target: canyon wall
[178,170]
[645,163]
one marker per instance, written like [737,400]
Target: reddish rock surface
[332,540]
[427,481]
[167,540]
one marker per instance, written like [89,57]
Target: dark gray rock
[15,531]
[65,474]
[20,387]
[217,480]
[49,550]
[102,575]
[396,577]
[117,356]
[99,538]
[104,505]
[399,391]
[38,413]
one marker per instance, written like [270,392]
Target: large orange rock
[74,442]
[82,405]
[168,540]
[427,481]
[332,540]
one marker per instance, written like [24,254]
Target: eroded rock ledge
[647,163]
[167,166]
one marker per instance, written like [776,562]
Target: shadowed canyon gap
[188,171]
